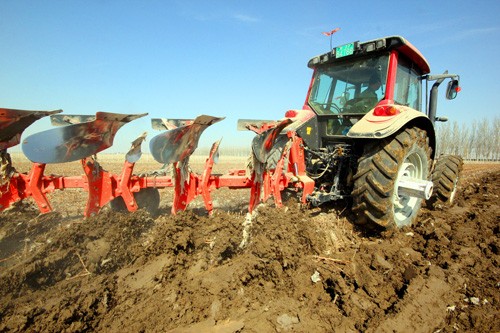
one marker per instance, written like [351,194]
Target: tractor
[368,134]
[365,135]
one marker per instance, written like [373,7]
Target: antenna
[330,34]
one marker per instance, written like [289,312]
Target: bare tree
[463,140]
[496,139]
[483,140]
[471,142]
[477,140]
[443,138]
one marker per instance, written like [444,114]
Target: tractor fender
[372,126]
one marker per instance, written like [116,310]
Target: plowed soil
[281,270]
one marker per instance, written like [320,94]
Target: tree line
[478,140]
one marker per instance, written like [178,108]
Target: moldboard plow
[82,137]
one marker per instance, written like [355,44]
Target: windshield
[353,86]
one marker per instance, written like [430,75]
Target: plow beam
[35,185]
[76,141]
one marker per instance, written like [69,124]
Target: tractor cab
[356,78]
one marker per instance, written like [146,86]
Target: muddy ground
[284,270]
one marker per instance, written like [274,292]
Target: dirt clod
[297,270]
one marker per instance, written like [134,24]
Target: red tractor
[367,128]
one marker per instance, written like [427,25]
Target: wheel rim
[406,206]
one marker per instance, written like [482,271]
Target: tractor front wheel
[376,200]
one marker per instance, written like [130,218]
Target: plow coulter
[82,137]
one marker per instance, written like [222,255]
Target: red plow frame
[92,136]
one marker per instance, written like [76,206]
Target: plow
[364,135]
[82,137]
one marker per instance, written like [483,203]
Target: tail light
[386,110]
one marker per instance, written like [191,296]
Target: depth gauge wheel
[445,179]
[147,199]
[384,163]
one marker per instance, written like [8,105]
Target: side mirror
[453,89]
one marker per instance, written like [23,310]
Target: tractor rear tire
[376,201]
[147,199]
[445,179]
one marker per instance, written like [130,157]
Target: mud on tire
[376,202]
[445,179]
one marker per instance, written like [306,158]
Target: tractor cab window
[408,88]
[352,86]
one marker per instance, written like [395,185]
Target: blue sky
[233,59]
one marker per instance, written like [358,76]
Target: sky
[224,58]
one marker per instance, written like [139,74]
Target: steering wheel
[358,105]
[335,107]
[329,107]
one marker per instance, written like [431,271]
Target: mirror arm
[441,77]
[433,96]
